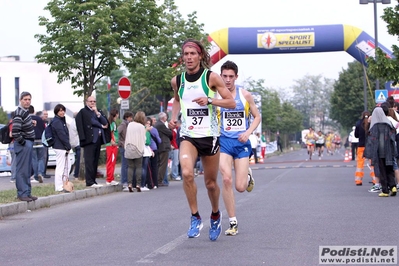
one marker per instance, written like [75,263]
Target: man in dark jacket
[164,147]
[93,129]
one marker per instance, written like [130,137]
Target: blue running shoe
[195,227]
[215,228]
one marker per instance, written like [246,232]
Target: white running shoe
[112,183]
[251,182]
[375,188]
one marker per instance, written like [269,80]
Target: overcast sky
[19,23]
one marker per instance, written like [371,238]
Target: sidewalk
[45,202]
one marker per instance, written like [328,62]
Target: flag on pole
[109,83]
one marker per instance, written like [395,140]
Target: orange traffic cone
[346,157]
[350,154]
[252,160]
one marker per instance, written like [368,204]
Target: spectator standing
[91,125]
[24,135]
[254,144]
[147,154]
[127,118]
[354,142]
[164,147]
[12,152]
[175,156]
[279,144]
[74,140]
[112,148]
[154,160]
[135,140]
[263,144]
[61,147]
[393,119]
[44,116]
[361,130]
[38,156]
[381,149]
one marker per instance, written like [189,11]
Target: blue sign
[381,96]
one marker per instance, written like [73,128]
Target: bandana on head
[193,45]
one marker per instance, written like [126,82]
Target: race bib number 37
[234,121]
[198,119]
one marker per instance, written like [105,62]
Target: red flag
[109,83]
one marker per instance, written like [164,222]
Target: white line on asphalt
[165,249]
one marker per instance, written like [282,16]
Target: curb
[46,202]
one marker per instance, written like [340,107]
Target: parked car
[51,158]
[5,156]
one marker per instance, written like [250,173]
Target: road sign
[381,96]
[124,87]
[125,104]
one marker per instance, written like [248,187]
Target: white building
[18,76]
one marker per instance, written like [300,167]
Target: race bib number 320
[198,119]
[234,121]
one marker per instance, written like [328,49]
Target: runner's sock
[215,215]
[196,215]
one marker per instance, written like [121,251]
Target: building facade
[18,76]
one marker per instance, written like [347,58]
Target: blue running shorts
[235,148]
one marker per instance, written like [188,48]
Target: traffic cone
[346,157]
[261,159]
[252,160]
[350,154]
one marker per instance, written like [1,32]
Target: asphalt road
[295,207]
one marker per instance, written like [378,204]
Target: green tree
[3,116]
[102,92]
[347,100]
[270,104]
[290,122]
[311,96]
[164,61]
[382,66]
[85,40]
[277,116]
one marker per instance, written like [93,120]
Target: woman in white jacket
[134,150]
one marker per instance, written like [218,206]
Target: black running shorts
[207,146]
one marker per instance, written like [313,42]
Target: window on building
[16,91]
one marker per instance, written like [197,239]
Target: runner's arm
[254,112]
[176,104]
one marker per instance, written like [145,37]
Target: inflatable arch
[298,39]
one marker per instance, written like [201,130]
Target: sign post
[124,87]
[381,96]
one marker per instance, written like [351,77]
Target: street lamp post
[365,2]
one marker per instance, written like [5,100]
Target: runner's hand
[172,124]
